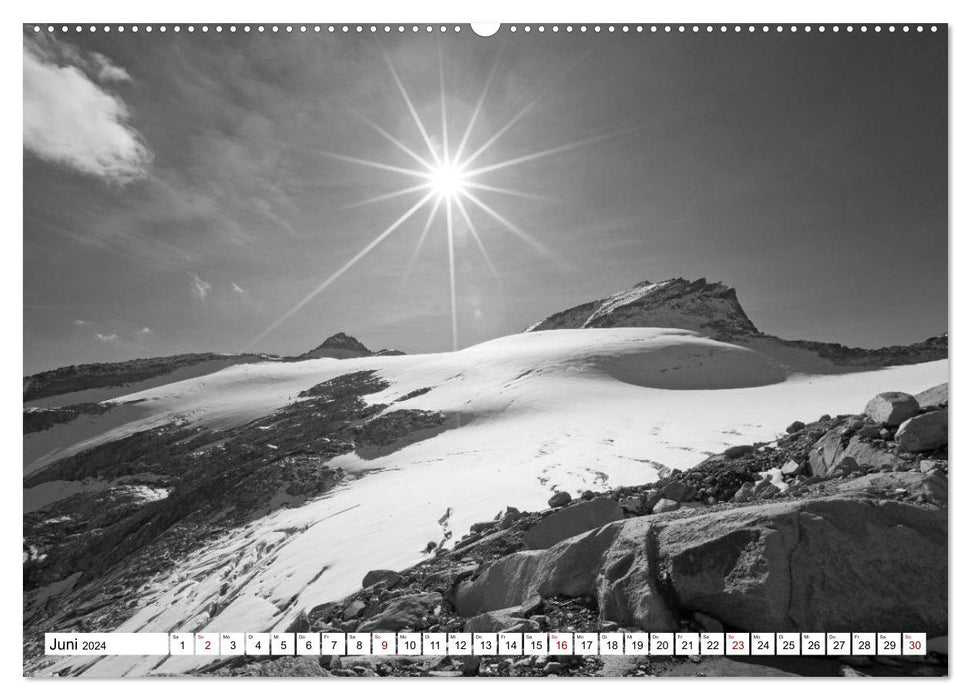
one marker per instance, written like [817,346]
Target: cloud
[71,120]
[200,288]
[144,331]
[80,322]
[106,338]
[238,289]
[107,71]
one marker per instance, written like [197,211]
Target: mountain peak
[340,346]
[711,308]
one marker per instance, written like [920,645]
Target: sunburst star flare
[446,181]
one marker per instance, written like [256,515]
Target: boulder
[627,590]
[353,609]
[934,397]
[923,433]
[795,427]
[633,504]
[560,498]
[811,565]
[839,563]
[792,468]
[830,453]
[931,487]
[825,453]
[500,621]
[677,491]
[739,451]
[766,489]
[568,568]
[651,497]
[392,578]
[401,613]
[891,408]
[523,625]
[570,521]
[746,492]
[665,505]
[511,516]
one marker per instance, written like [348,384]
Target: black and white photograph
[451,350]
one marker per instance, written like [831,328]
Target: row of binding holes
[289,28]
[401,28]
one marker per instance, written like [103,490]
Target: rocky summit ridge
[339,346]
[713,309]
[709,308]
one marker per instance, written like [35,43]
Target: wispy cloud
[238,289]
[107,71]
[80,322]
[71,120]
[200,288]
[144,331]
[106,337]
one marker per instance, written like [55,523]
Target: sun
[448,180]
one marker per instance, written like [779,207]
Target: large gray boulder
[934,397]
[838,563]
[923,433]
[580,517]
[830,452]
[891,408]
[831,564]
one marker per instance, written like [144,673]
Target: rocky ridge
[713,309]
[74,378]
[710,308]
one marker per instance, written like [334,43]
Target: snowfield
[529,413]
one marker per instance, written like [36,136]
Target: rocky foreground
[839,525]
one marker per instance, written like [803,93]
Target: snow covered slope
[527,414]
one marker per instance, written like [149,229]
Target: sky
[195,192]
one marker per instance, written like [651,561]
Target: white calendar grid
[487,644]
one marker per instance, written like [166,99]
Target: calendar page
[485,350]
